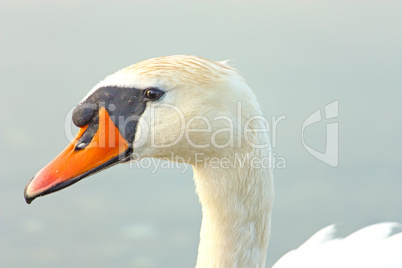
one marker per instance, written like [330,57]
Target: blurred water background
[298,56]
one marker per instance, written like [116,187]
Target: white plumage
[372,246]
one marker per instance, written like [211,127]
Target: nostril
[80,146]
[88,134]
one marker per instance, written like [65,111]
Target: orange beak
[106,148]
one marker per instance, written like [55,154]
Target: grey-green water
[297,56]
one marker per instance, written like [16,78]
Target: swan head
[176,106]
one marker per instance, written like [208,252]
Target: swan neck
[236,207]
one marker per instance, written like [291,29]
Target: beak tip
[28,198]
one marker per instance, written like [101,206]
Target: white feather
[371,246]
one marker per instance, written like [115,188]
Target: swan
[191,110]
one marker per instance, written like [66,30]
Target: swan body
[372,246]
[195,111]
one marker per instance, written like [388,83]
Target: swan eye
[153,93]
